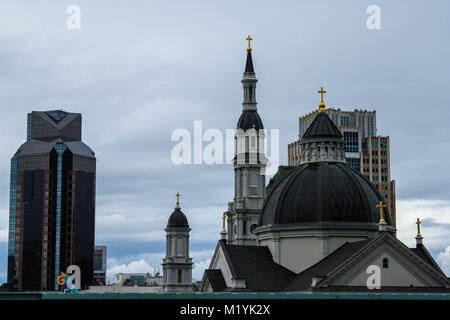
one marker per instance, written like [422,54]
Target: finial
[224,215]
[418,222]
[249,48]
[321,104]
[381,206]
[178,199]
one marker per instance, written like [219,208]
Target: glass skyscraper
[52,203]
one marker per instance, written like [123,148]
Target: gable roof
[374,243]
[326,265]
[423,253]
[349,253]
[215,278]
[255,265]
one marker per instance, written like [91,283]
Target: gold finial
[418,222]
[381,206]
[224,215]
[178,198]
[249,48]
[321,104]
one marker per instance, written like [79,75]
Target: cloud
[151,263]
[134,83]
[435,226]
[139,266]
[444,260]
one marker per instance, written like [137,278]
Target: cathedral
[320,227]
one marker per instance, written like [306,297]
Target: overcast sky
[139,70]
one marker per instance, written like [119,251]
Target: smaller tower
[177,265]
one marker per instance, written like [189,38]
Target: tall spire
[249,81]
[249,64]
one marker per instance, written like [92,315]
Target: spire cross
[321,104]
[249,48]
[381,206]
[178,198]
[223,221]
[418,222]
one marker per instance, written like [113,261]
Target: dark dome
[250,119]
[322,192]
[322,127]
[177,219]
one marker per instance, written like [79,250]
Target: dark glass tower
[52,203]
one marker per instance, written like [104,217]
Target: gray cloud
[137,72]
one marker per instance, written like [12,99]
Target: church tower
[249,165]
[177,266]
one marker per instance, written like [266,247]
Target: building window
[351,141]
[385,263]
[179,275]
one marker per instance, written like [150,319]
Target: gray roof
[322,127]
[58,124]
[34,146]
[255,265]
[215,279]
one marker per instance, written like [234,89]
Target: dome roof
[322,127]
[177,219]
[250,119]
[322,192]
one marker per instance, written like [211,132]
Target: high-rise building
[52,203]
[100,265]
[360,134]
[375,165]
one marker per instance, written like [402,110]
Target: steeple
[249,64]
[249,81]
[249,166]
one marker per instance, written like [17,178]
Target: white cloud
[199,268]
[139,266]
[150,262]
[443,259]
[436,222]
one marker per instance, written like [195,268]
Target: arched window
[385,263]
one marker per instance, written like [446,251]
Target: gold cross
[321,104]
[418,222]
[381,206]
[178,198]
[249,48]
[223,221]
